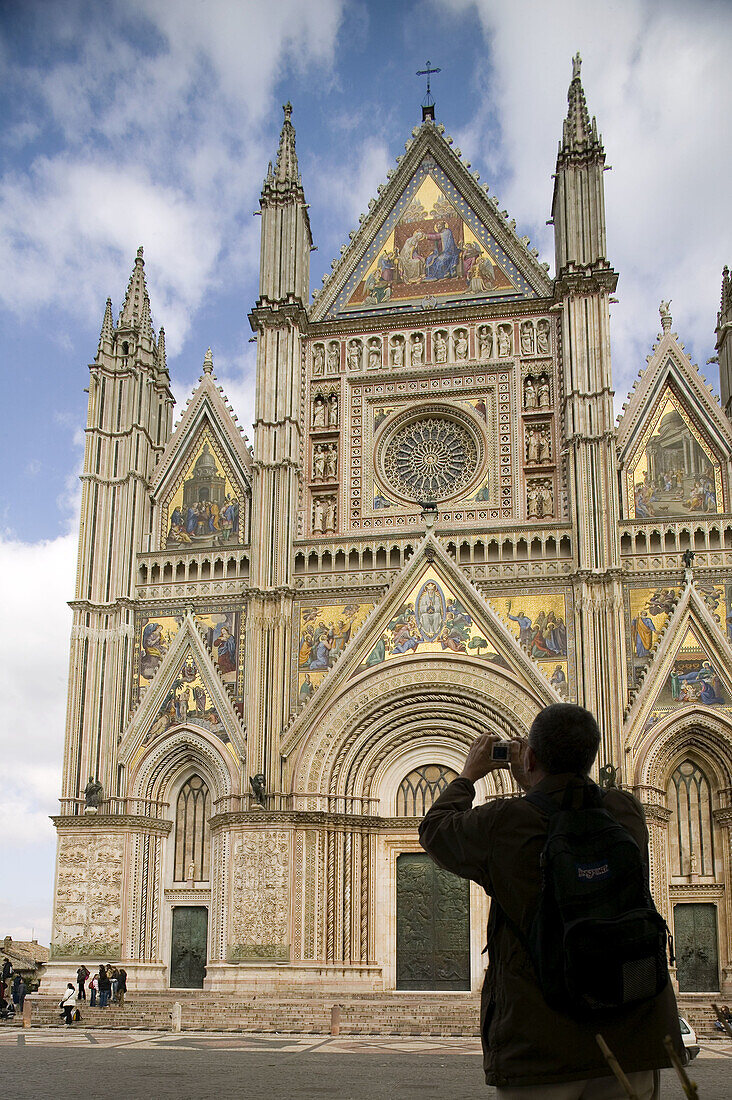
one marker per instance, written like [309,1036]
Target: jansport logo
[589,872]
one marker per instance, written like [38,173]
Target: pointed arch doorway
[433,926]
[432,905]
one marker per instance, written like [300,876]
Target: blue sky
[151,122]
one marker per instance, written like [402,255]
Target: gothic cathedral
[281,651]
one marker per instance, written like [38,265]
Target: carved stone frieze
[260,896]
[88,896]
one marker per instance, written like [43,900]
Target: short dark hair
[565,738]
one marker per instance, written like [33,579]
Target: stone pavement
[93,1065]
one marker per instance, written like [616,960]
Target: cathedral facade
[282,651]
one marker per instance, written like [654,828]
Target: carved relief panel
[88,896]
[260,899]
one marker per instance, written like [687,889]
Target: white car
[688,1036]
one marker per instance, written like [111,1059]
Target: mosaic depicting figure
[204,510]
[674,475]
[431,251]
[157,634]
[325,631]
[187,703]
[433,620]
[649,611]
[694,678]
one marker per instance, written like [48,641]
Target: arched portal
[378,754]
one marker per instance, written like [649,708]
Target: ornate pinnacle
[726,303]
[107,332]
[666,319]
[161,350]
[579,132]
[136,304]
[208,362]
[286,169]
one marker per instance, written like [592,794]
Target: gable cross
[428,103]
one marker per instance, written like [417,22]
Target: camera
[501,751]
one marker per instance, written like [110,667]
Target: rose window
[431,458]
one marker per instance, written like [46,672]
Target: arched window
[418,790]
[691,837]
[192,812]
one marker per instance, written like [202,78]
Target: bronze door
[188,948]
[433,926]
[695,935]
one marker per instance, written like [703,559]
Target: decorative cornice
[112,823]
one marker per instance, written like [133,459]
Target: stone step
[397,1015]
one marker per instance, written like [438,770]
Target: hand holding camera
[487,753]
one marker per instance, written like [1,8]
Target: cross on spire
[428,103]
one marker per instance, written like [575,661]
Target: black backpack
[597,941]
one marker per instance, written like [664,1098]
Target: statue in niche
[417,351]
[354,355]
[527,338]
[330,460]
[374,354]
[542,337]
[529,393]
[546,500]
[532,500]
[504,340]
[397,353]
[545,445]
[334,358]
[318,359]
[543,393]
[256,782]
[318,463]
[485,342]
[329,515]
[92,795]
[440,347]
[319,411]
[318,515]
[532,446]
[461,344]
[333,411]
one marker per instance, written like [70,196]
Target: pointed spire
[136,297]
[107,332]
[579,133]
[162,365]
[286,170]
[726,303]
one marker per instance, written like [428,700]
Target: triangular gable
[186,690]
[431,609]
[207,410]
[673,408]
[433,237]
[692,667]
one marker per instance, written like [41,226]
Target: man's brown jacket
[525,1042]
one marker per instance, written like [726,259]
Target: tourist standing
[68,1003]
[93,989]
[104,987]
[121,985]
[81,975]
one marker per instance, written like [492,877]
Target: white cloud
[166,148]
[657,77]
[34,665]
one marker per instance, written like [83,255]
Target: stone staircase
[402,1013]
[455,1014]
[701,1015]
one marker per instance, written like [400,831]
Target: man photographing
[539,1039]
